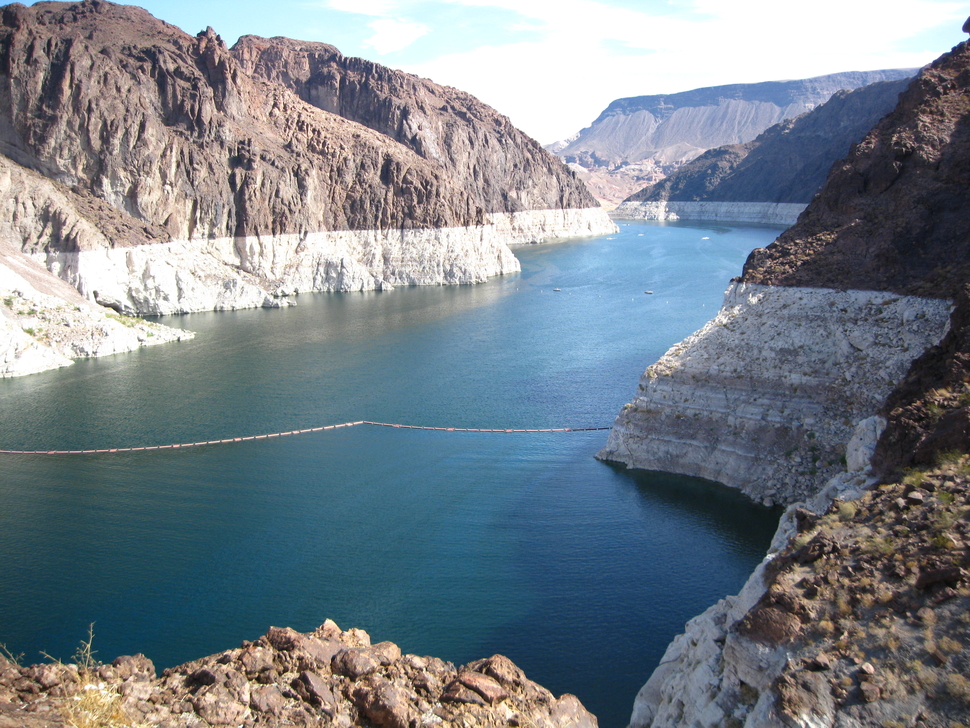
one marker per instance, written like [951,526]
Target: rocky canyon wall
[158,172]
[852,305]
[765,397]
[765,213]
[772,178]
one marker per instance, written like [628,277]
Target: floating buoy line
[249,438]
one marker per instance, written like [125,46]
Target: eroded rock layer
[765,397]
[160,173]
[497,165]
[286,678]
[639,140]
[786,164]
[892,216]
[764,213]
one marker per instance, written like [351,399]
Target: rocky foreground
[285,678]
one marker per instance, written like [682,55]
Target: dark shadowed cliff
[893,215]
[638,140]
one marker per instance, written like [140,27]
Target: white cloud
[391,34]
[364,7]
[553,86]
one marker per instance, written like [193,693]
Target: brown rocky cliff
[502,168]
[892,216]
[928,414]
[169,129]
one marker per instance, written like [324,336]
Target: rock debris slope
[844,326]
[286,678]
[772,178]
[187,177]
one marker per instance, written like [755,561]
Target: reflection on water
[458,545]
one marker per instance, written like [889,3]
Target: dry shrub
[95,706]
[948,644]
[958,686]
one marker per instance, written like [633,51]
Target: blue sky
[553,65]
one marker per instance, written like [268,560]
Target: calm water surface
[449,544]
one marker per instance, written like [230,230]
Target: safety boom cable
[249,438]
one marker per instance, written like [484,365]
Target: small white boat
[650,292]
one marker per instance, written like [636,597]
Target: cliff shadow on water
[642,518]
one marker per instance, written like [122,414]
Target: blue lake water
[458,545]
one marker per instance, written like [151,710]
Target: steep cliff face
[501,168]
[786,165]
[159,174]
[892,216]
[165,128]
[44,322]
[855,616]
[766,396]
[637,141]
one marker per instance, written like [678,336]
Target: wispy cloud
[589,52]
[391,34]
[552,65]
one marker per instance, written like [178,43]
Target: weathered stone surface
[880,567]
[385,704]
[487,687]
[401,691]
[150,171]
[498,166]
[638,140]
[44,322]
[316,688]
[927,413]
[768,213]
[774,424]
[355,663]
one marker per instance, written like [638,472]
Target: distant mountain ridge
[638,140]
[789,161]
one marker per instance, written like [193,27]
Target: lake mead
[458,545]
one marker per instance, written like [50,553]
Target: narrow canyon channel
[458,545]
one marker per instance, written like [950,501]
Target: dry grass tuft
[95,706]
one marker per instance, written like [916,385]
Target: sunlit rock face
[157,172]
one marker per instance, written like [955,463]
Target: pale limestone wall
[765,397]
[769,213]
[41,331]
[229,273]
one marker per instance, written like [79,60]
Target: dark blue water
[459,545]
